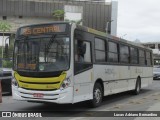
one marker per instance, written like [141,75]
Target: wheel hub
[97,95]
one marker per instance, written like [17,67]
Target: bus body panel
[58,96]
[83,86]
[118,78]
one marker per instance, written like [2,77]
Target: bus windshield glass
[42,54]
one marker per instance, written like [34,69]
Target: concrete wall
[17,22]
[73,13]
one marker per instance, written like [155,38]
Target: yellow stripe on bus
[40,83]
[39,86]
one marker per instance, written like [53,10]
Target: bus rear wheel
[97,95]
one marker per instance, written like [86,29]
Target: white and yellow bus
[67,63]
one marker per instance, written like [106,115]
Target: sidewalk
[155,107]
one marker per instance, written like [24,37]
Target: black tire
[97,95]
[137,89]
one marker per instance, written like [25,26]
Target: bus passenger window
[134,55]
[148,59]
[100,50]
[141,57]
[124,54]
[113,52]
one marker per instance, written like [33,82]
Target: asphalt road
[118,102]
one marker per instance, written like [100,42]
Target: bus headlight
[65,83]
[14,82]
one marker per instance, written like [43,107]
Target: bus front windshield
[43,54]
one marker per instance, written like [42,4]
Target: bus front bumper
[56,96]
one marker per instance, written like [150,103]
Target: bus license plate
[38,95]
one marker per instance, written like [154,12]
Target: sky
[139,19]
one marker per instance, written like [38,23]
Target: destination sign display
[42,29]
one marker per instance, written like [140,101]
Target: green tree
[8,54]
[58,15]
[4,27]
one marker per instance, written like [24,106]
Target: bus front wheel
[97,95]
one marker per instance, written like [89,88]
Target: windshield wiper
[48,45]
[51,41]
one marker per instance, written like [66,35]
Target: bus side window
[82,55]
[134,55]
[124,54]
[148,59]
[100,50]
[141,57]
[82,51]
[113,52]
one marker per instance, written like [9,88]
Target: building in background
[96,14]
[155,46]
